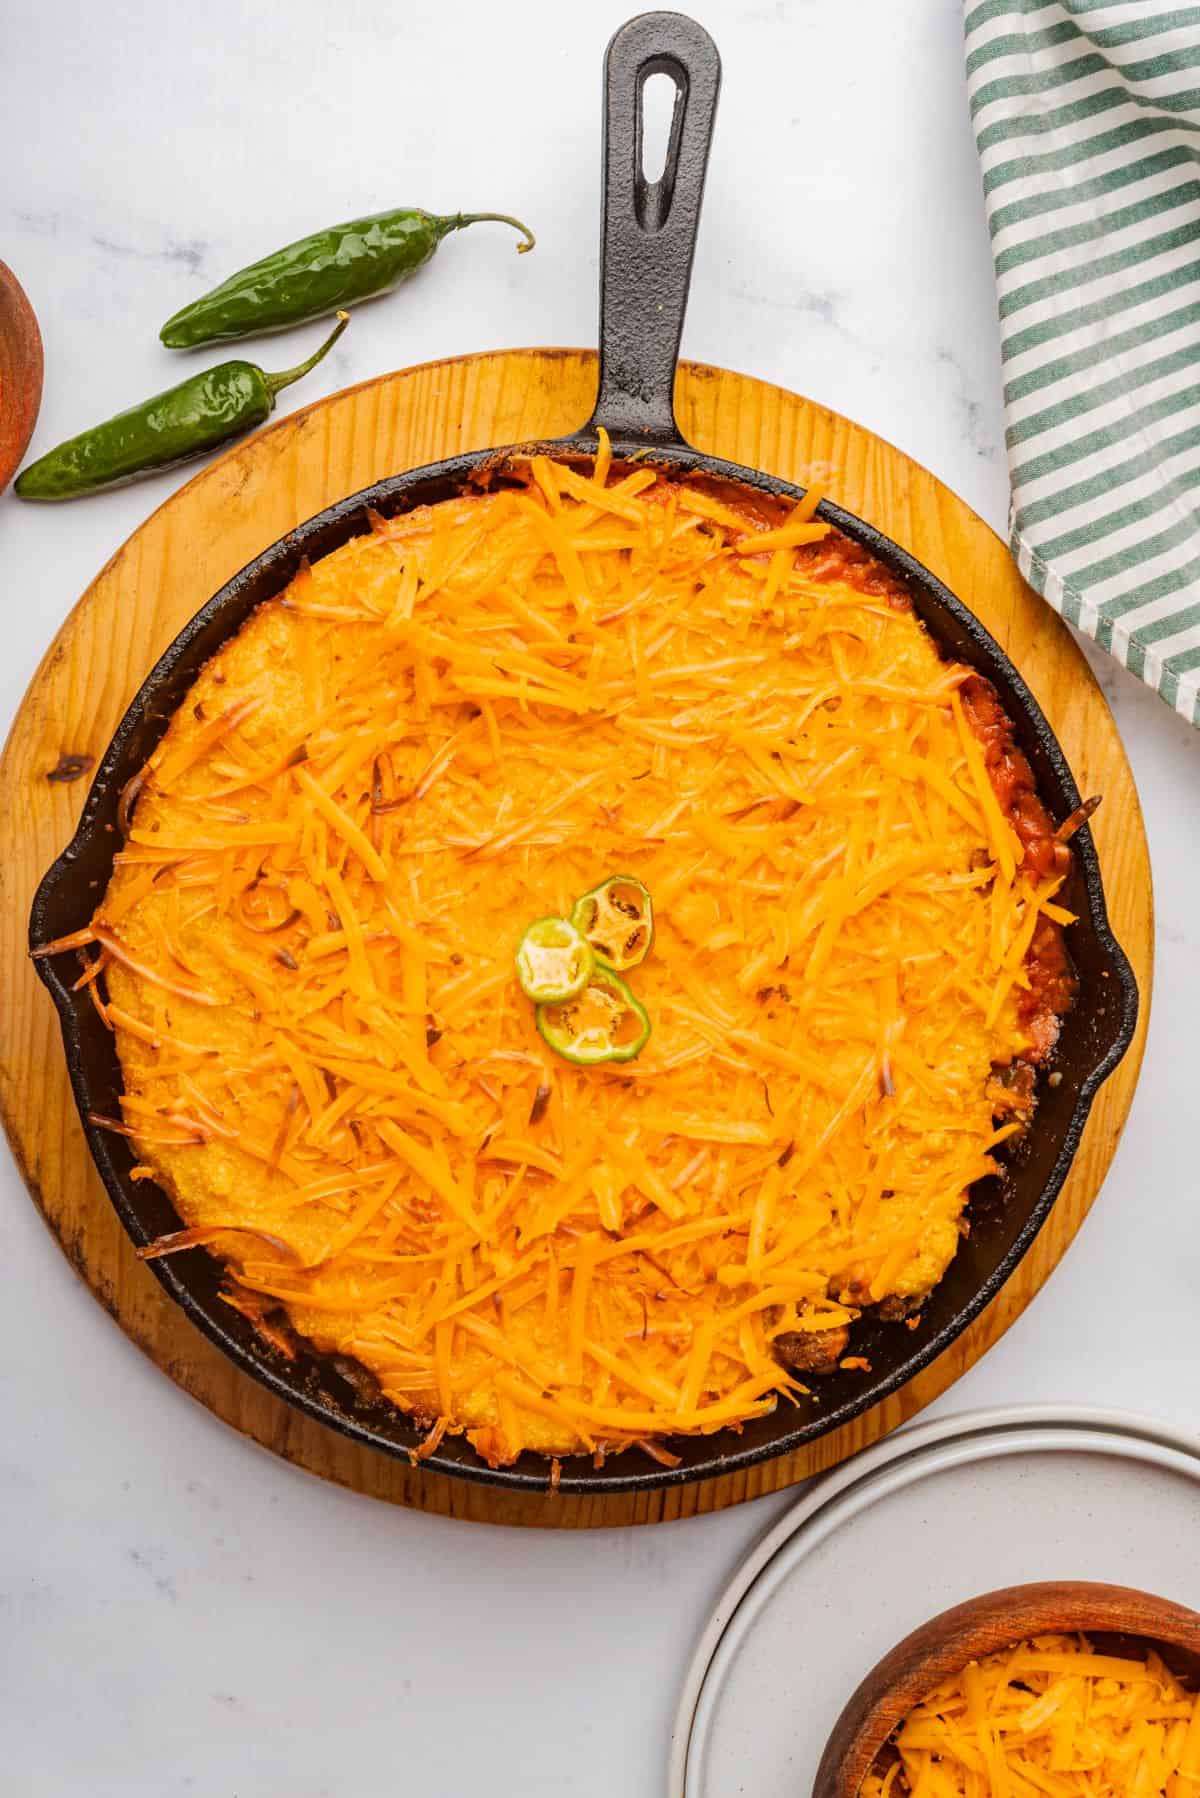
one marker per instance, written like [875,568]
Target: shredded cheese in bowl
[1053,1717]
[463,721]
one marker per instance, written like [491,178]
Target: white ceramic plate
[934,1515]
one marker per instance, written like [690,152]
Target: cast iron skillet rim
[276,561]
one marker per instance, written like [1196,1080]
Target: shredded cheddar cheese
[465,719]
[1049,1717]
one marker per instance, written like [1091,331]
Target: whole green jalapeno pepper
[318,274]
[175,426]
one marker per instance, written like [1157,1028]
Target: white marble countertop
[179,1611]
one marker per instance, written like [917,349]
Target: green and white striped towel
[1087,119]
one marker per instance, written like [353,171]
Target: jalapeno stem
[275,382]
[457,220]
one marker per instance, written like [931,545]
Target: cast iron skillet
[649,234]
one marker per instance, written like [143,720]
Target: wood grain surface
[227,515]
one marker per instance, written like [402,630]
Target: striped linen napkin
[1087,119]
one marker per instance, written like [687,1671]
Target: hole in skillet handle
[660,116]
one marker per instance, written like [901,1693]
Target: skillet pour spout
[649,234]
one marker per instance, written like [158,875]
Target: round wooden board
[227,515]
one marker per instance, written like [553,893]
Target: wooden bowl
[20,373]
[1116,1618]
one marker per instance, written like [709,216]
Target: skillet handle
[648,233]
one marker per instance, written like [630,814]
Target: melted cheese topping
[458,723]
[1049,1717]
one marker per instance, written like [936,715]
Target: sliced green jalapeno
[603,1023]
[554,961]
[617,918]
